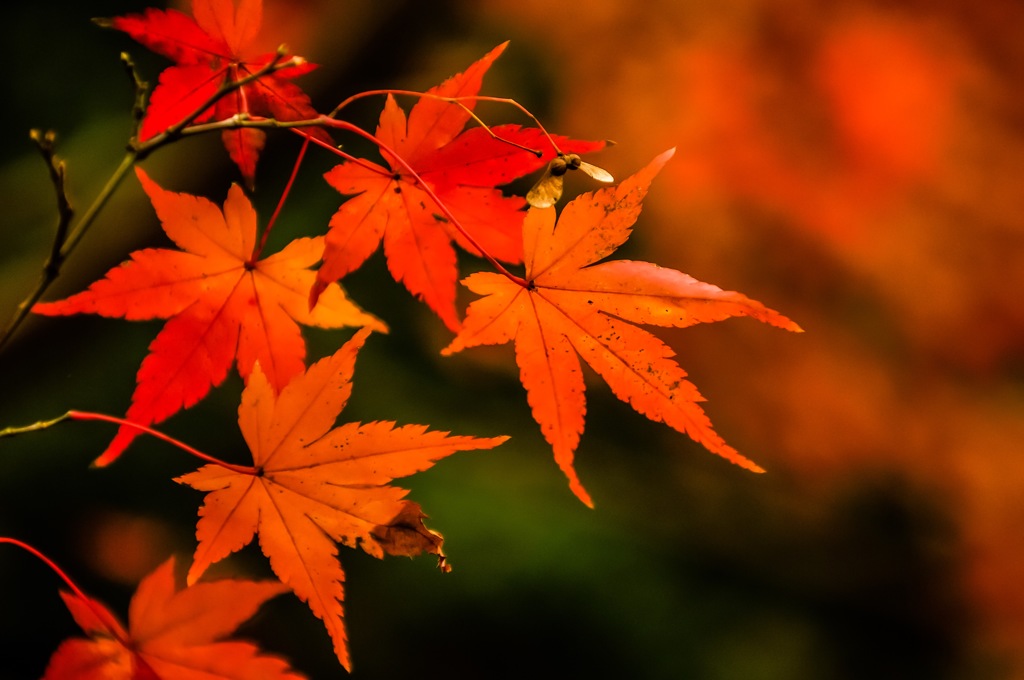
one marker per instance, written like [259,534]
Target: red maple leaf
[221,300]
[462,168]
[173,634]
[210,50]
[571,307]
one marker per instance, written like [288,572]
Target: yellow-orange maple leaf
[316,486]
[571,306]
[172,634]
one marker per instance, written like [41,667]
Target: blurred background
[856,166]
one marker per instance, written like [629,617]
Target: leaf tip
[117,446]
[664,157]
[747,464]
[319,286]
[148,185]
[105,458]
[575,485]
[577,488]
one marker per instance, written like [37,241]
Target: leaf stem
[101,614]
[88,415]
[454,221]
[284,195]
[458,101]
[240,469]
[324,121]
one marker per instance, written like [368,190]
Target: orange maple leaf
[569,308]
[172,634]
[316,486]
[461,168]
[222,302]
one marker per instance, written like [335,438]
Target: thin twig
[34,427]
[45,143]
[140,87]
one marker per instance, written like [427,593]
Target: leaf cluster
[440,183]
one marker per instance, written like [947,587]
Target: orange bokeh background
[859,168]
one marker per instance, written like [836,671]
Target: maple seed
[548,189]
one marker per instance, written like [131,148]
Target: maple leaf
[173,634]
[316,486]
[572,307]
[222,303]
[210,50]
[462,168]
